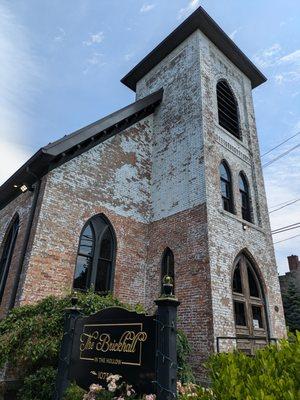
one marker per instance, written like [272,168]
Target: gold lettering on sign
[103,343]
[89,344]
[95,343]
[126,344]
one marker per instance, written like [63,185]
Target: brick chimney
[294,263]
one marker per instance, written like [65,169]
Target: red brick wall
[113,179]
[185,233]
[21,206]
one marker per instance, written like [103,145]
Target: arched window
[249,305]
[226,187]
[245,197]
[7,253]
[227,109]
[96,256]
[167,266]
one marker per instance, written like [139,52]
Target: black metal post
[166,353]
[62,381]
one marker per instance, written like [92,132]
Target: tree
[291,305]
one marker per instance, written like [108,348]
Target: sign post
[62,378]
[166,353]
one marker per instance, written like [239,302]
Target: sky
[61,62]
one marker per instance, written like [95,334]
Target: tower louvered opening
[227,109]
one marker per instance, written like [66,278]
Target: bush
[74,392]
[185,373]
[39,385]
[273,374]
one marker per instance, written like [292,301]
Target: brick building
[170,184]
[291,277]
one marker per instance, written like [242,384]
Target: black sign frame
[114,341]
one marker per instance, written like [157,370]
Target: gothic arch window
[96,256]
[245,197]
[226,187]
[249,305]
[227,109]
[167,266]
[7,252]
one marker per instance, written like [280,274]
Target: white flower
[112,386]
[95,388]
[150,397]
[113,378]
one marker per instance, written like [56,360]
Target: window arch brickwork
[228,115]
[96,256]
[7,252]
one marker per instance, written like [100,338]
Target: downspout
[14,292]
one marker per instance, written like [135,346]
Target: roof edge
[201,20]
[55,154]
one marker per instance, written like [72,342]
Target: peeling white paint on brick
[158,183]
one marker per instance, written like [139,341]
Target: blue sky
[61,62]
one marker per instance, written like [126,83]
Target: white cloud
[288,65]
[279,78]
[287,76]
[283,184]
[146,8]
[128,56]
[19,76]
[233,34]
[96,60]
[60,35]
[268,57]
[13,156]
[184,12]
[291,58]
[94,38]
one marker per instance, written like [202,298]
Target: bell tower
[208,198]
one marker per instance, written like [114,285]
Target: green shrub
[291,305]
[39,385]
[74,392]
[273,374]
[185,373]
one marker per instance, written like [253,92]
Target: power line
[286,228]
[284,240]
[285,205]
[280,144]
[280,204]
[280,156]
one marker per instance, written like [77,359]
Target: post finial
[167,287]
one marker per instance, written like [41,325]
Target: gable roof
[74,144]
[199,19]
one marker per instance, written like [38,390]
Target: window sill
[242,221]
[239,142]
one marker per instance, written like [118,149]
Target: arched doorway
[249,306]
